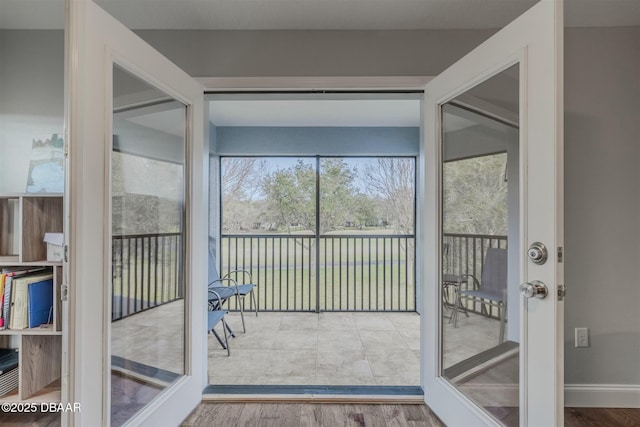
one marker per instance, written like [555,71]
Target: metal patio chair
[228,287]
[452,284]
[492,288]
[216,315]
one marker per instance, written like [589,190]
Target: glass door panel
[480,227]
[148,244]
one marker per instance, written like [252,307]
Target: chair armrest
[217,295]
[244,273]
[476,283]
[226,279]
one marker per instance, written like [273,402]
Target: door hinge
[560,254]
[562,292]
[64,287]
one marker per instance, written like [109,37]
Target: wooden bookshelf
[24,219]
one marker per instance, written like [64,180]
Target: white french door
[136,136]
[498,107]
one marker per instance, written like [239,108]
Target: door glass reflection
[480,229]
[148,205]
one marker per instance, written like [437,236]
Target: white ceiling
[170,121]
[318,14]
[290,113]
[305,113]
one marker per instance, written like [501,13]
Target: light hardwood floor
[330,415]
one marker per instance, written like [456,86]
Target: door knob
[535,288]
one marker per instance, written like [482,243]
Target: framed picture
[46,169]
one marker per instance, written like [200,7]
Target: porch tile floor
[337,348]
[319,349]
[304,348]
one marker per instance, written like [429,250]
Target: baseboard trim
[602,395]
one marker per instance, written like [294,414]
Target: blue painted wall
[327,141]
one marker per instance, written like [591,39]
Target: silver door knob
[535,288]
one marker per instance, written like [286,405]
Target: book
[39,302]
[8,274]
[3,277]
[19,295]
[6,302]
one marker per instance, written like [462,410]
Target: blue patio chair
[228,287]
[216,315]
[492,288]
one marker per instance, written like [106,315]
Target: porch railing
[330,273]
[350,272]
[146,272]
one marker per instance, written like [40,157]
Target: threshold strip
[316,393]
[142,372]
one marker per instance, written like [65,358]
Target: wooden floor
[598,417]
[329,415]
[318,414]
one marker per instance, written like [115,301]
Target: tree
[365,211]
[140,205]
[290,196]
[475,196]
[240,177]
[240,181]
[391,181]
[338,195]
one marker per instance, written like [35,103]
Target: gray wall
[314,53]
[31,100]
[602,204]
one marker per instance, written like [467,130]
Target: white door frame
[95,42]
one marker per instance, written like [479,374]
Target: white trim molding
[602,395]
[249,84]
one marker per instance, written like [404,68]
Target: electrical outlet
[582,337]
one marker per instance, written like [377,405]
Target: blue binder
[40,302]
